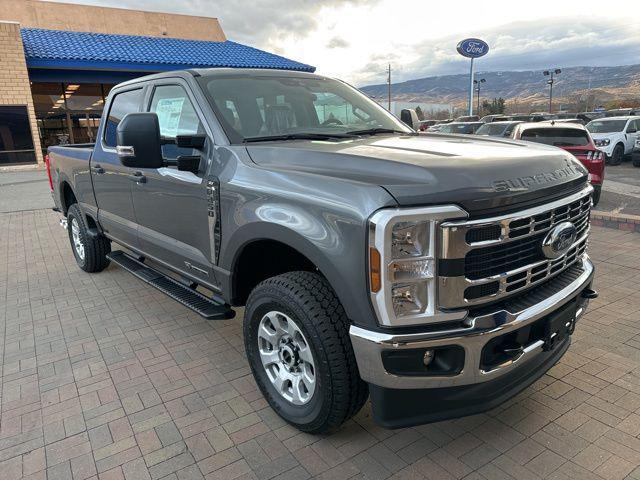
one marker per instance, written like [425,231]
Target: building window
[16,141]
[68,112]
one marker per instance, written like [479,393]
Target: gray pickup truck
[437,274]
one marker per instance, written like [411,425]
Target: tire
[337,392]
[636,159]
[90,252]
[617,155]
[597,191]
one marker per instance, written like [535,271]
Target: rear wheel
[597,191]
[89,251]
[297,342]
[617,155]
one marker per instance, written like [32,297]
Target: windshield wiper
[296,136]
[375,131]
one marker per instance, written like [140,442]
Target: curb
[627,223]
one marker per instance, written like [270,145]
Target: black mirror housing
[189,163]
[138,141]
[191,141]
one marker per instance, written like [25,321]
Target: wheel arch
[265,242]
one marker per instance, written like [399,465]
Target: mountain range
[599,84]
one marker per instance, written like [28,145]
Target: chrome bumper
[368,345]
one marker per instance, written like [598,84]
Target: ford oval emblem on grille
[559,240]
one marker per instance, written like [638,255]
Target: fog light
[428,357]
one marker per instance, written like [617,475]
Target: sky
[356,39]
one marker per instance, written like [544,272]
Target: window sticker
[169,111]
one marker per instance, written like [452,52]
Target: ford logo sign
[472,48]
[559,240]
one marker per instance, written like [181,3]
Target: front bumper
[472,336]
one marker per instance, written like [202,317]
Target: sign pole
[471,88]
[472,48]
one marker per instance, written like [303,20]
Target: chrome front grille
[492,258]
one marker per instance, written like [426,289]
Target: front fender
[338,253]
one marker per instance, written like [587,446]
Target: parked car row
[582,117]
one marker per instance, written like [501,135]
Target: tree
[419,113]
[495,107]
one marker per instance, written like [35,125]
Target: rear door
[111,180]
[172,206]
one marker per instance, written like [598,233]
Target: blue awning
[57,49]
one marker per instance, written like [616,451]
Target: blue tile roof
[63,49]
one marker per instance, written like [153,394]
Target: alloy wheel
[286,357]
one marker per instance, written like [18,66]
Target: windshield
[458,128]
[492,129]
[606,126]
[258,108]
[558,137]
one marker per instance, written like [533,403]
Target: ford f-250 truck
[437,274]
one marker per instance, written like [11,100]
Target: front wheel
[636,159]
[296,337]
[617,155]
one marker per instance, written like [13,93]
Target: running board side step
[199,303]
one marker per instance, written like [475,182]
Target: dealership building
[59,62]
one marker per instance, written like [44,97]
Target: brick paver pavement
[105,377]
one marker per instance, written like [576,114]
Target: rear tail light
[47,162]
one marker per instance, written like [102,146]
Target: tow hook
[589,294]
[63,222]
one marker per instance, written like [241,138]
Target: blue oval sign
[472,48]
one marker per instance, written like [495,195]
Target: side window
[176,116]
[175,112]
[123,103]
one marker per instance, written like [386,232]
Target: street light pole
[389,87]
[477,83]
[549,73]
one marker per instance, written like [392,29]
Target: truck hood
[479,174]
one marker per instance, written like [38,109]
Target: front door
[631,134]
[112,181]
[171,205]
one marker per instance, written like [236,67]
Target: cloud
[524,46]
[356,39]
[337,42]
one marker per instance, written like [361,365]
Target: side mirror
[632,130]
[409,118]
[138,143]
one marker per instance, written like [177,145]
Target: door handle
[138,177]
[97,169]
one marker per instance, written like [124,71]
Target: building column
[15,88]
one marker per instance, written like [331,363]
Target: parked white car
[615,136]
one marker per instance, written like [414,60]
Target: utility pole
[550,73]
[389,87]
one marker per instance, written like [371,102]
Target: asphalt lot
[104,376]
[621,189]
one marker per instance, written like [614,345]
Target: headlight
[402,263]
[603,142]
